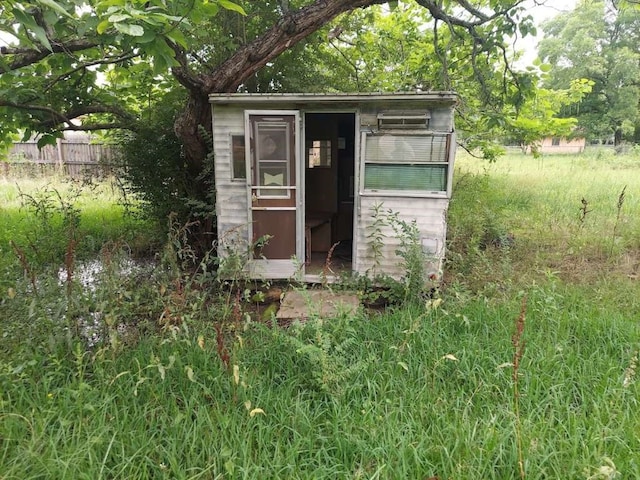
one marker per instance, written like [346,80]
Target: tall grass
[415,391]
[537,205]
[433,398]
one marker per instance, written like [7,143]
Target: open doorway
[329,158]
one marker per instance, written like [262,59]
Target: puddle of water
[89,273]
[89,276]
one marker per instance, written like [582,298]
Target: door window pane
[273,155]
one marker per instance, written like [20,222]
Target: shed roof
[329,98]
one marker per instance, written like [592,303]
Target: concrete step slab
[302,304]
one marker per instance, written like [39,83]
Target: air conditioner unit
[403,120]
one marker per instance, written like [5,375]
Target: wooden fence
[73,157]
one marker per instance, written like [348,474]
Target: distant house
[560,145]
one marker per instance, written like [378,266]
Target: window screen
[273,157]
[406,177]
[407,162]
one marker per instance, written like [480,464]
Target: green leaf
[208,9]
[46,139]
[229,5]
[30,24]
[54,6]
[110,4]
[178,37]
[103,26]
[148,37]
[127,29]
[119,17]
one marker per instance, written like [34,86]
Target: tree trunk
[617,137]
[618,148]
[196,115]
[230,74]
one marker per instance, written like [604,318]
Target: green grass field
[191,388]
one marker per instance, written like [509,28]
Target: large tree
[104,62]
[54,68]
[599,41]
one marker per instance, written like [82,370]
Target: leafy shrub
[154,170]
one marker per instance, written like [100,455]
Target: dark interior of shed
[329,191]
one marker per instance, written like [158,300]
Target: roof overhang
[332,98]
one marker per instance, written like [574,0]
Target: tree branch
[29,56]
[349,61]
[473,11]
[98,126]
[104,61]
[288,31]
[60,118]
[100,108]
[184,74]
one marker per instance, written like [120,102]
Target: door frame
[355,111]
[277,268]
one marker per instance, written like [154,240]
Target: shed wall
[232,206]
[430,217]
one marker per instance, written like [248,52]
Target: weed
[223,353]
[324,349]
[584,210]
[630,371]
[26,266]
[56,232]
[518,352]
[326,268]
[376,237]
[619,206]
[413,257]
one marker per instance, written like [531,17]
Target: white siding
[428,213]
[441,119]
[231,202]
[430,217]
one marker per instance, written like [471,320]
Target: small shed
[324,178]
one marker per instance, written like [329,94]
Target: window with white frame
[319,153]
[407,162]
[237,154]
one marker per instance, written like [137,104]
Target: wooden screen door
[273,191]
